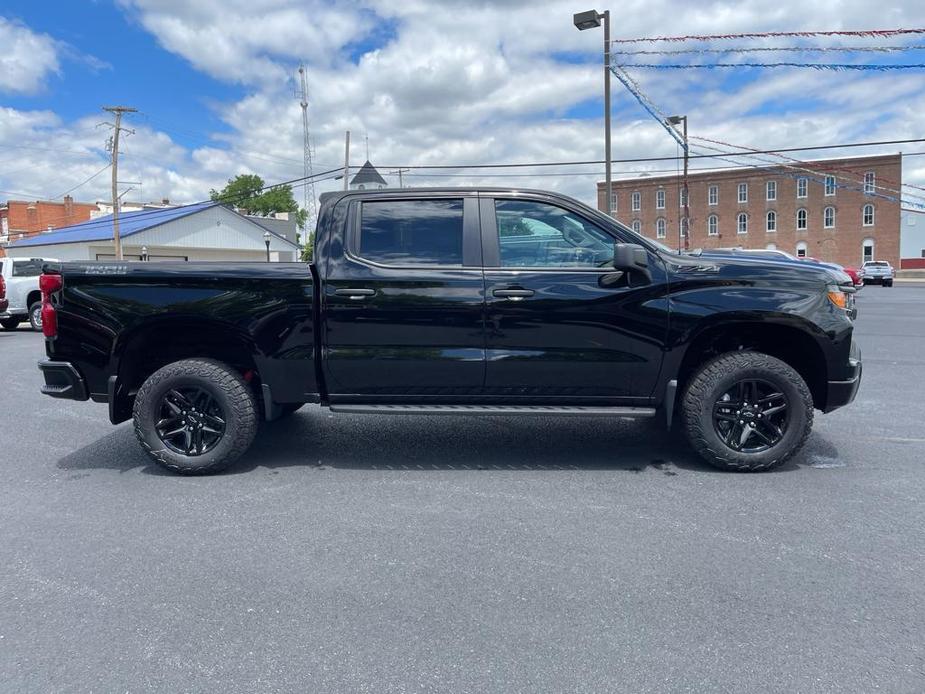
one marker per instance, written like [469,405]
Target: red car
[855,276]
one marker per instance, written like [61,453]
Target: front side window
[771,190]
[412,232]
[828,218]
[868,215]
[712,225]
[537,234]
[830,185]
[713,195]
[743,192]
[637,201]
[742,223]
[771,221]
[802,187]
[659,199]
[660,228]
[801,220]
[870,183]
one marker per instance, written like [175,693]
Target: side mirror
[631,258]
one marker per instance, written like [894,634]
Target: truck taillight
[49,284]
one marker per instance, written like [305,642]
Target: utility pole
[117,112]
[400,172]
[346,159]
[687,193]
[308,188]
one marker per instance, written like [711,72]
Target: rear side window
[27,268]
[412,232]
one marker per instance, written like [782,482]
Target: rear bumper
[63,380]
[841,393]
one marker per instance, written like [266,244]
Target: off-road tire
[713,379]
[36,326]
[226,385]
[10,323]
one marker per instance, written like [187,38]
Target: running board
[499,410]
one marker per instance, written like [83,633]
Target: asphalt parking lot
[381,554]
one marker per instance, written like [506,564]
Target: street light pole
[684,239]
[266,240]
[589,20]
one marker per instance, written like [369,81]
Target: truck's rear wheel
[35,316]
[747,411]
[195,416]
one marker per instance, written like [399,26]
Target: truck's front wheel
[195,416]
[747,411]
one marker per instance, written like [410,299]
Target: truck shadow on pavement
[317,439]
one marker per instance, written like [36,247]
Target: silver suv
[22,289]
[878,272]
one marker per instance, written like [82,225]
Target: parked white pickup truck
[22,291]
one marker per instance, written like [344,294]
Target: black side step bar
[500,410]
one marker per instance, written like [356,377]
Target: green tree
[308,249]
[246,192]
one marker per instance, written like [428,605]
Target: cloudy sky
[426,82]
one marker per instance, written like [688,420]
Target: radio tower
[308,189]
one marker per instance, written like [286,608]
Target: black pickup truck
[460,302]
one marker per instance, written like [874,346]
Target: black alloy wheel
[190,421]
[751,416]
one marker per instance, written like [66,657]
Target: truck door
[403,301]
[561,323]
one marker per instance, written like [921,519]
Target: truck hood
[746,266]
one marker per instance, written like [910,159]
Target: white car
[22,291]
[879,272]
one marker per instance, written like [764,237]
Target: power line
[82,183]
[777,49]
[866,33]
[168,212]
[635,160]
[834,67]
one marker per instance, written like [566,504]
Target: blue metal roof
[100,229]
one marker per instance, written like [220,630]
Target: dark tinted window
[536,234]
[27,268]
[412,232]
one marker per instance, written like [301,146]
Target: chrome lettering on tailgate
[104,269]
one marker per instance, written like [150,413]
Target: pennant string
[867,33]
[836,67]
[778,49]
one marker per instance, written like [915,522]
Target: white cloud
[26,58]
[466,82]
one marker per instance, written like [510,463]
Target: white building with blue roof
[204,231]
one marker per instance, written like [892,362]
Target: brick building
[845,211]
[21,218]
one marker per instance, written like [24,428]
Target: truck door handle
[513,294]
[355,294]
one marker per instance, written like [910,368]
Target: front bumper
[841,393]
[62,380]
